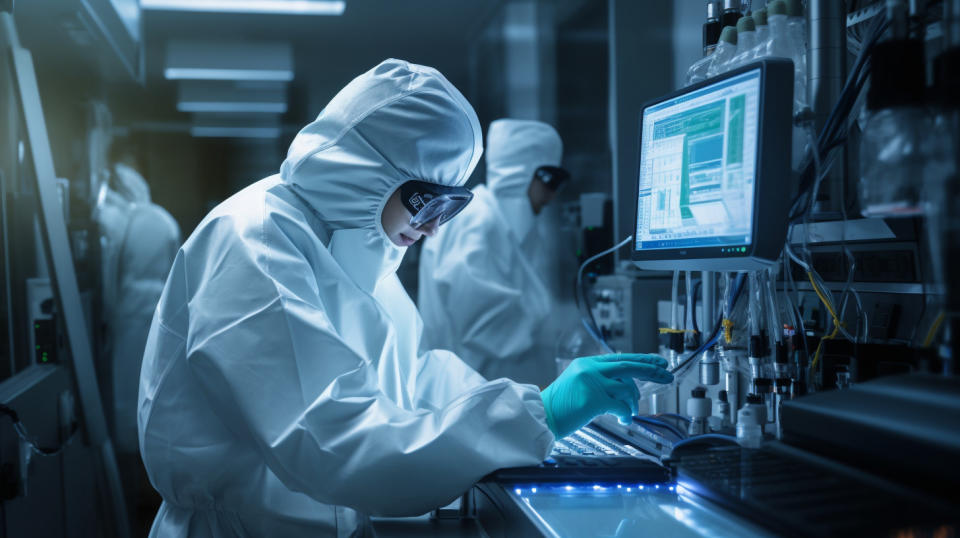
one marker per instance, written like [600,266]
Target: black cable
[661,424]
[586,314]
[22,433]
[693,315]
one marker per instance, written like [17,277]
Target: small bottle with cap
[722,410]
[709,368]
[777,43]
[731,13]
[711,28]
[746,42]
[749,429]
[698,409]
[760,20]
[726,50]
[755,402]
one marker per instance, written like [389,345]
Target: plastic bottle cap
[745,24]
[760,17]
[699,392]
[794,8]
[729,35]
[777,7]
[754,399]
[713,11]
[722,395]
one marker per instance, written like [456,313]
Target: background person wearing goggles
[485,288]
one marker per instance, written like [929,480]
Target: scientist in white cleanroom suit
[484,288]
[284,391]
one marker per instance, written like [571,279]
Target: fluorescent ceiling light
[229,60]
[234,132]
[195,73]
[232,107]
[273,7]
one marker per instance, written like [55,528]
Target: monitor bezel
[774,132]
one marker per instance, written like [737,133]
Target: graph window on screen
[698,167]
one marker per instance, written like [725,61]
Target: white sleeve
[263,348]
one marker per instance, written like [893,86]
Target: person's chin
[404,240]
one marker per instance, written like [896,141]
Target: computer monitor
[714,177]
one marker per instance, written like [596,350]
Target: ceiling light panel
[264,7]
[229,60]
[231,97]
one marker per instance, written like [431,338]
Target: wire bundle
[717,328]
[834,131]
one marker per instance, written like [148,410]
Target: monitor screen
[714,176]
[697,173]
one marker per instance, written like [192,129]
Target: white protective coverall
[284,391]
[138,242]
[484,290]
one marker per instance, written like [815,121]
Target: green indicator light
[38,348]
[37,326]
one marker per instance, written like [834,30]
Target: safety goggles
[429,201]
[552,176]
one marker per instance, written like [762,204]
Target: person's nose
[430,229]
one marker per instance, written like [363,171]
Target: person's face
[396,223]
[540,195]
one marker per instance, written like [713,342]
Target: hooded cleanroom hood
[515,148]
[397,122]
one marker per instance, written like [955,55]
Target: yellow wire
[821,296]
[833,314]
[667,330]
[728,330]
[932,333]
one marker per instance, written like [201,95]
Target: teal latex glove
[592,386]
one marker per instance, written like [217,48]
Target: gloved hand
[592,386]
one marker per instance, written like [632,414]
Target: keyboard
[589,455]
[587,441]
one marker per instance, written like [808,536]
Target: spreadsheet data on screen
[698,167]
